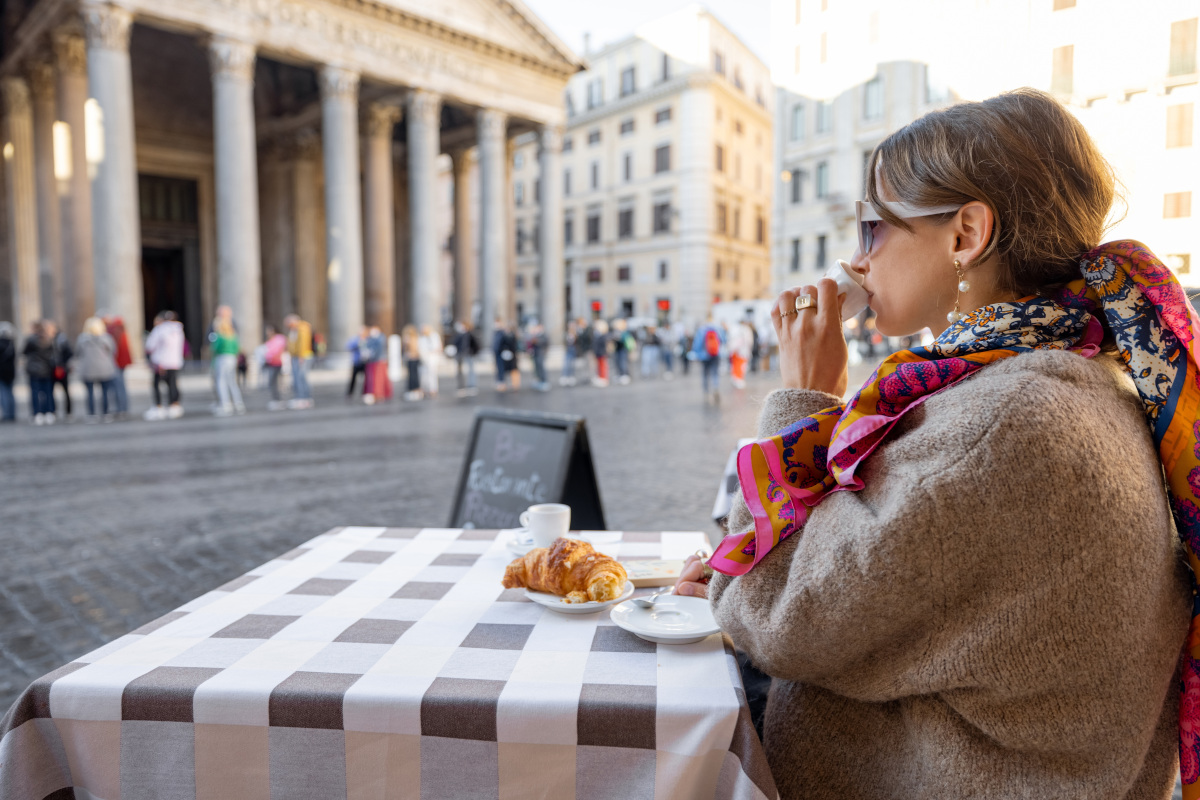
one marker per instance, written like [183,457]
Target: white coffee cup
[546,522]
[850,284]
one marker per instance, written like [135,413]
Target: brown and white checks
[388,663]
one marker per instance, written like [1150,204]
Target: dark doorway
[170,253]
[163,283]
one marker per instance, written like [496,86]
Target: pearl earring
[963,286]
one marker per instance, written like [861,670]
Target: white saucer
[556,603]
[674,619]
[513,541]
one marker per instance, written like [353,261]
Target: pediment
[507,23]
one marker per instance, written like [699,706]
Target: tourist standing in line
[707,345]
[116,329]
[622,341]
[8,372]
[96,357]
[430,343]
[39,366]
[536,343]
[164,351]
[224,341]
[501,355]
[570,341]
[740,352]
[378,385]
[584,348]
[410,344]
[668,340]
[600,352]
[651,353]
[357,347]
[685,347]
[62,363]
[466,349]
[272,359]
[300,348]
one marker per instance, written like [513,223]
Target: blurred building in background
[665,187]
[277,156]
[849,72]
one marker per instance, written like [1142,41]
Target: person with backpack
[600,351]
[272,360]
[466,349]
[164,351]
[39,366]
[96,353]
[536,343]
[116,329]
[63,353]
[706,348]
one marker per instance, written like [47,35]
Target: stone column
[343,211]
[307,269]
[75,188]
[22,205]
[235,158]
[465,289]
[116,225]
[493,217]
[378,225]
[424,144]
[45,112]
[552,311]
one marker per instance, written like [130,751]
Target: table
[389,663]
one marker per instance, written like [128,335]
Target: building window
[718,62]
[722,224]
[593,276]
[759,99]
[873,98]
[1181,263]
[820,263]
[626,308]
[624,273]
[537,190]
[760,229]
[718,277]
[520,281]
[626,126]
[737,77]
[823,179]
[594,136]
[595,175]
[628,167]
[518,159]
[593,227]
[570,102]
[662,270]
[1059,5]
[720,158]
[520,238]
[662,217]
[797,131]
[1177,205]
[535,238]
[662,115]
[662,159]
[595,93]
[737,126]
[625,223]
[797,187]
[568,144]
[519,192]
[1179,124]
[737,222]
[567,182]
[569,230]
[1183,47]
[794,264]
[665,74]
[628,81]
[737,166]
[824,116]
[1062,72]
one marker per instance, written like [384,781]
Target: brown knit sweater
[998,614]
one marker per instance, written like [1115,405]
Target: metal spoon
[648,602]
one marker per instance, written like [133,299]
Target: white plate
[673,620]
[556,603]
[513,541]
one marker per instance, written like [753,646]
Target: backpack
[712,343]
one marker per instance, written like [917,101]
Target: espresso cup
[546,522]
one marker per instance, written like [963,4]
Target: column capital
[551,138]
[107,26]
[42,78]
[231,58]
[381,118]
[424,106]
[493,124]
[16,95]
[338,82]
[70,48]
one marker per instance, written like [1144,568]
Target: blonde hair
[95,326]
[1024,156]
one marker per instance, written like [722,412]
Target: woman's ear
[973,231]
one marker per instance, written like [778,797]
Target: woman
[8,372]
[600,351]
[430,343]
[224,339]
[96,355]
[964,581]
[273,350]
[410,343]
[164,353]
[40,359]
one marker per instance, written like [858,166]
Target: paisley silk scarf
[1125,291]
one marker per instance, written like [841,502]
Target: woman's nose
[859,263]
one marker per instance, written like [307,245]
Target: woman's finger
[829,308]
[691,589]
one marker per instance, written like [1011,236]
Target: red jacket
[116,329]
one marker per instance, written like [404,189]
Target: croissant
[569,568]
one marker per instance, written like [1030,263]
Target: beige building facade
[665,183]
[277,156]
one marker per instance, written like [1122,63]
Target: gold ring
[787,313]
[804,301]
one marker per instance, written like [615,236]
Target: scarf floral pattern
[1123,291]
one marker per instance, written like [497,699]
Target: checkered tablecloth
[389,663]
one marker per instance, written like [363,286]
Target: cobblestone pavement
[105,527]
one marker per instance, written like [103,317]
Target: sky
[610,20]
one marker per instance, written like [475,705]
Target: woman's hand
[812,349]
[689,584]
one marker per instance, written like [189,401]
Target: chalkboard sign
[518,458]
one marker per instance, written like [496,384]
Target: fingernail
[684,590]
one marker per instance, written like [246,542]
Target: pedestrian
[116,329]
[686,338]
[668,340]
[410,344]
[223,338]
[357,347]
[501,355]
[536,344]
[741,342]
[512,346]
[622,345]
[650,353]
[600,351]
[583,348]
[40,359]
[8,372]
[756,344]
[466,349]
[707,346]
[164,351]
[62,363]
[430,344]
[570,353]
[377,385]
[243,368]
[96,358]
[300,351]
[273,350]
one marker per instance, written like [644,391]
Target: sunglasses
[867,218]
